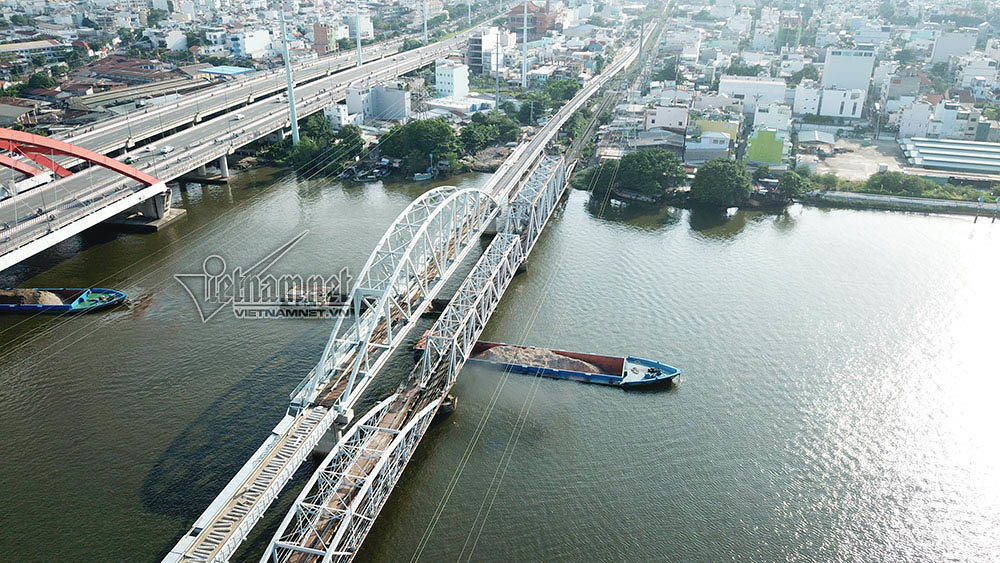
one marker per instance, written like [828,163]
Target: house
[703,146]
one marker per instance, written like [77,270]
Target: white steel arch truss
[337,507]
[413,260]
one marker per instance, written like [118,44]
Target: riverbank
[856,200]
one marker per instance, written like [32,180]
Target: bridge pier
[201,171]
[149,216]
[223,166]
[333,435]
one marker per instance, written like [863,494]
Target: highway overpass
[46,215]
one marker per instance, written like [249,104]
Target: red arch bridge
[44,202]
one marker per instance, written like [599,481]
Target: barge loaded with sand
[617,371]
[58,300]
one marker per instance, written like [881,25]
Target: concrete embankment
[899,203]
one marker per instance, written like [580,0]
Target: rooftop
[951,154]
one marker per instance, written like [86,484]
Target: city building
[540,19]
[753,90]
[485,52]
[48,48]
[773,116]
[362,22]
[250,44]
[451,79]
[956,43]
[807,98]
[702,146]
[674,118]
[848,69]
[845,104]
[380,103]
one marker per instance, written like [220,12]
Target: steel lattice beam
[416,255]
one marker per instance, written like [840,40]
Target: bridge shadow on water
[205,455]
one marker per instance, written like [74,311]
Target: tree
[418,140]
[41,80]
[561,90]
[474,137]
[533,106]
[791,185]
[155,16]
[350,142]
[721,182]
[905,56]
[649,171]
[761,172]
[87,22]
[38,60]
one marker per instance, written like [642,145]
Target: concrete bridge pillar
[155,207]
[223,166]
[201,170]
[333,435]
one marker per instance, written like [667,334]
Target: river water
[838,401]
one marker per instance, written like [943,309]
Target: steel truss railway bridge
[410,265]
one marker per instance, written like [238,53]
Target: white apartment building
[977,67]
[251,44]
[363,22]
[846,104]
[671,117]
[753,90]
[807,96]
[849,69]
[917,120]
[374,103]
[958,43]
[451,79]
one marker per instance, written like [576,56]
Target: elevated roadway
[38,218]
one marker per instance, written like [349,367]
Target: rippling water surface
[838,402]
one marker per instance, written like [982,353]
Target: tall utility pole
[498,53]
[470,11]
[425,20]
[642,32]
[288,77]
[524,48]
[357,27]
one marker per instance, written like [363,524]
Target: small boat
[421,176]
[58,300]
[625,372]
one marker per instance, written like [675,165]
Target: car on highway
[166,149]
[238,117]
[150,148]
